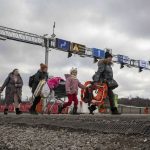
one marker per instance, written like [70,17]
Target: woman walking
[13,93]
[105,74]
[39,76]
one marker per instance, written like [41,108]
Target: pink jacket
[72,85]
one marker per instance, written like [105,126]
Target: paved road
[74,132]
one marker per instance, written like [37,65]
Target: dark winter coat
[38,77]
[12,87]
[104,71]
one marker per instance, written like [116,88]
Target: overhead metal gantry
[43,41]
[21,36]
[26,37]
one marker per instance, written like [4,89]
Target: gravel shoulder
[67,132]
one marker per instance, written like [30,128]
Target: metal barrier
[133,109]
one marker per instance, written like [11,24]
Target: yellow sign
[78,48]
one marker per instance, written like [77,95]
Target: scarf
[73,76]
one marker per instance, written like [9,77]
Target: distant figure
[146,110]
[104,74]
[72,85]
[39,76]
[13,93]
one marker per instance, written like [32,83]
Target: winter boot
[60,109]
[92,108]
[18,112]
[33,112]
[114,111]
[75,111]
[5,111]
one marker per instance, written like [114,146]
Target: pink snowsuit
[72,86]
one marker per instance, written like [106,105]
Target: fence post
[121,109]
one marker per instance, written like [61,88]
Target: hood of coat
[67,76]
[43,72]
[105,61]
[11,74]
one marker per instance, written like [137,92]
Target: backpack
[31,80]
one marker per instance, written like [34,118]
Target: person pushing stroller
[39,76]
[72,85]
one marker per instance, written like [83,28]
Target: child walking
[72,85]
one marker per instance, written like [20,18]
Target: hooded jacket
[104,71]
[12,87]
[72,85]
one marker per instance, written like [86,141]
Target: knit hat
[73,70]
[43,66]
[107,55]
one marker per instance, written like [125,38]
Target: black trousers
[111,98]
[35,102]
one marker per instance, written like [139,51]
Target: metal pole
[46,56]
[2,38]
[0,96]
[46,51]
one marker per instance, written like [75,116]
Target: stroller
[95,95]
[52,92]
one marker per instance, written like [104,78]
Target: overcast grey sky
[122,25]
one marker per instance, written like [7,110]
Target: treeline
[137,101]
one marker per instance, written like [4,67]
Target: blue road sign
[123,59]
[63,44]
[98,53]
[143,64]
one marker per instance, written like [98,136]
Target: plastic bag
[45,91]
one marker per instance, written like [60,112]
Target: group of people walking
[14,84]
